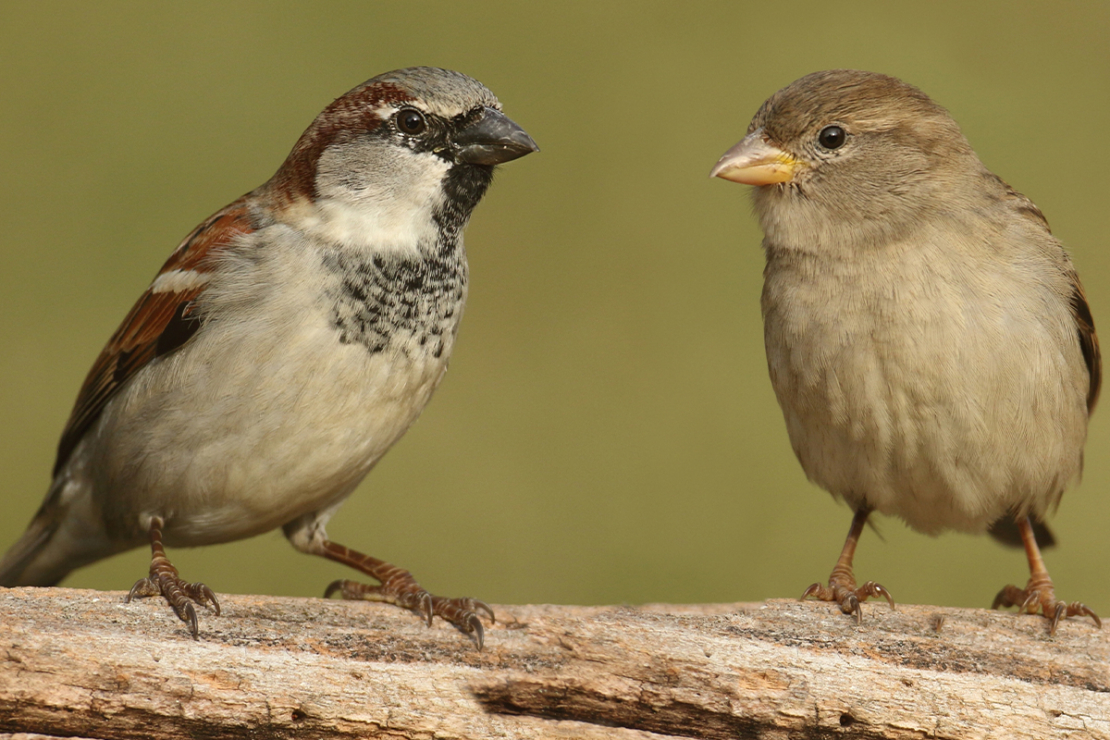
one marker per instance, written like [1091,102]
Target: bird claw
[847,596]
[463,614]
[474,630]
[179,594]
[164,581]
[405,592]
[1040,597]
[423,606]
[875,590]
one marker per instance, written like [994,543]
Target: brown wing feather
[1088,340]
[158,324]
[1085,323]
[1005,530]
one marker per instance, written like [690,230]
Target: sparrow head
[850,147]
[412,140]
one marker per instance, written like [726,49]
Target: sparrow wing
[1081,311]
[1088,340]
[1006,530]
[161,321]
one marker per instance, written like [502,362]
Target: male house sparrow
[285,345]
[927,337]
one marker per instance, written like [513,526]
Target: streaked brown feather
[1081,311]
[1088,340]
[158,324]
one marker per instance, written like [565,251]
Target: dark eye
[411,121]
[832,137]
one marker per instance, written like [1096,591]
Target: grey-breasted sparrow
[285,345]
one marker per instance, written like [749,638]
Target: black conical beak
[492,139]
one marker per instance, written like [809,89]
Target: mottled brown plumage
[927,337]
[146,331]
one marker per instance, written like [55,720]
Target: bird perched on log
[284,347]
[927,337]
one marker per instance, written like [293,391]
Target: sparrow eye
[832,137]
[411,121]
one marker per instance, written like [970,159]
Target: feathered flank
[160,322]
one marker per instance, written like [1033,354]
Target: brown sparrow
[927,337]
[286,344]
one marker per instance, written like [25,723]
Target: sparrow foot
[843,592]
[164,581]
[402,590]
[1040,596]
[842,583]
[399,588]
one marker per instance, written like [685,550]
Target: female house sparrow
[927,337]
[285,345]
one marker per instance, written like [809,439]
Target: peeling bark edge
[84,664]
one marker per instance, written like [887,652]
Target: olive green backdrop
[607,432]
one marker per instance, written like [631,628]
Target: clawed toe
[847,597]
[1040,597]
[179,594]
[1074,609]
[842,583]
[1039,594]
[463,614]
[405,592]
[164,581]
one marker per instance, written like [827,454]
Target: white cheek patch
[382,197]
[176,281]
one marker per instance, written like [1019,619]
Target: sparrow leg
[842,583]
[398,587]
[1039,593]
[164,581]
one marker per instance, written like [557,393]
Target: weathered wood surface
[84,664]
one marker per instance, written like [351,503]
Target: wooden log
[85,664]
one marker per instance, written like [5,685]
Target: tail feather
[1006,531]
[15,568]
[63,536]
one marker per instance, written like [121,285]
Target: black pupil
[831,137]
[411,122]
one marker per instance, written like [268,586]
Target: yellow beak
[755,162]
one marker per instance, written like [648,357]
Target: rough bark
[84,664]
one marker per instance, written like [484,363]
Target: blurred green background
[607,432]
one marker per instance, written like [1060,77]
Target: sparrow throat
[401,302]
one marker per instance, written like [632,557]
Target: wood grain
[84,664]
